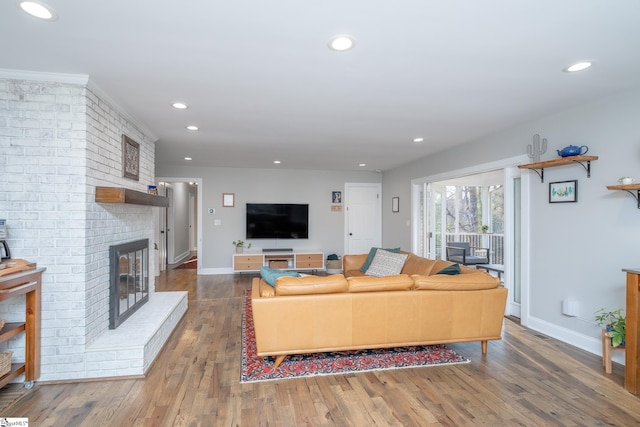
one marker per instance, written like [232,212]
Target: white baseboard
[210,271]
[182,257]
[584,342]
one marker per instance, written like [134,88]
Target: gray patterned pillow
[386,263]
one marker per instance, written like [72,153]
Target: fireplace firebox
[129,280]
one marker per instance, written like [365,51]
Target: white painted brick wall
[57,142]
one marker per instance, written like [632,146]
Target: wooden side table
[28,283]
[607,348]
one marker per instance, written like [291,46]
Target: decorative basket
[5,362]
[334,266]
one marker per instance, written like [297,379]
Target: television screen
[277,221]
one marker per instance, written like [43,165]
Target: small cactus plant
[535,149]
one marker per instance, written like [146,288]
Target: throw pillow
[372,254]
[452,270]
[270,274]
[386,263]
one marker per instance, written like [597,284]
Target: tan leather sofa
[418,307]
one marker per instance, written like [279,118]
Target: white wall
[326,228]
[577,249]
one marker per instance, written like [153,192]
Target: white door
[171,249]
[363,217]
[513,240]
[161,238]
[192,221]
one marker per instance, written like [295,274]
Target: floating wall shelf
[584,161]
[130,197]
[629,188]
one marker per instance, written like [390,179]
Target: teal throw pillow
[452,270]
[371,256]
[270,274]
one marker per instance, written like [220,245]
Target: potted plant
[484,228]
[615,324]
[239,244]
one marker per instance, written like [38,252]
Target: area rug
[255,368]
[190,263]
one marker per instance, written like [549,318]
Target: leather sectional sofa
[354,311]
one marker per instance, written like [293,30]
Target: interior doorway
[179,230]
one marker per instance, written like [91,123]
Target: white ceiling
[262,84]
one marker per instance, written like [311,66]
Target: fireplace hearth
[129,280]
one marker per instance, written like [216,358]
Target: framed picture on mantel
[130,158]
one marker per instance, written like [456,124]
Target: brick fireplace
[66,139]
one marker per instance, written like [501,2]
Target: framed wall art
[336,197]
[130,158]
[563,192]
[228,200]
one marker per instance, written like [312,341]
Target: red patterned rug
[190,263]
[255,368]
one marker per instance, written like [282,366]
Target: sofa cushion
[372,254]
[418,265]
[461,282]
[439,265]
[386,263]
[400,282]
[451,270]
[270,274]
[308,285]
[352,273]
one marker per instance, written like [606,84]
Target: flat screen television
[277,221]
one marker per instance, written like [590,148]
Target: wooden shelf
[10,330]
[629,188]
[561,161]
[130,197]
[17,369]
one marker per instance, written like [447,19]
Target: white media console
[289,260]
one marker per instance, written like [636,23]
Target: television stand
[277,250]
[298,260]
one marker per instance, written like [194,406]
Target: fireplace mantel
[128,196]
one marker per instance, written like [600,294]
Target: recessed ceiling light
[188,158]
[38,9]
[192,127]
[342,42]
[179,105]
[362,165]
[417,140]
[277,162]
[578,66]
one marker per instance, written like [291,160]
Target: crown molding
[77,79]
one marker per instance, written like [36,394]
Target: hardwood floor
[525,380]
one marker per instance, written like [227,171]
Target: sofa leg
[484,346]
[279,360]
